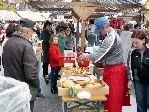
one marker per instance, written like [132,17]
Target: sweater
[55,56]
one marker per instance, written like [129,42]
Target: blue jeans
[142,95]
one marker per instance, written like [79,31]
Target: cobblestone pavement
[52,103]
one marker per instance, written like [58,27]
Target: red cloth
[116,24]
[70,60]
[55,57]
[84,62]
[116,78]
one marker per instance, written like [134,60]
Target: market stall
[78,87]
[83,90]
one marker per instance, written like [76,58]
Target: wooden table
[95,101]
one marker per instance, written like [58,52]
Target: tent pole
[83,36]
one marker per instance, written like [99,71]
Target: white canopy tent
[34,16]
[8,15]
[46,15]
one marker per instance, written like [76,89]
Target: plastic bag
[14,95]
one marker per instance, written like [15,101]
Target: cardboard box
[83,110]
[97,91]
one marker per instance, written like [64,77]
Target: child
[55,63]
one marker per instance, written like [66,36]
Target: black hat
[27,23]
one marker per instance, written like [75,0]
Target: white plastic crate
[14,95]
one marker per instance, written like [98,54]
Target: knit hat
[99,24]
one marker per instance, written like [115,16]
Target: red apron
[116,78]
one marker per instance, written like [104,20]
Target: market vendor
[111,54]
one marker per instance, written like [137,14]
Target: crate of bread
[68,71]
[88,83]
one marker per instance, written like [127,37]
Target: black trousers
[39,90]
[45,48]
[54,77]
[32,105]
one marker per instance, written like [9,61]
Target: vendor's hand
[129,84]
[82,57]
[86,57]
[101,70]
[101,77]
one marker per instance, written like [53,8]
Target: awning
[46,15]
[34,16]
[8,15]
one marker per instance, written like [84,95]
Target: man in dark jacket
[19,59]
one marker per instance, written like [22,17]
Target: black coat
[20,62]
[140,64]
[45,36]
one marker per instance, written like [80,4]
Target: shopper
[45,36]
[139,69]
[91,36]
[69,39]
[36,43]
[55,62]
[19,59]
[137,26]
[62,39]
[4,36]
[111,54]
[127,43]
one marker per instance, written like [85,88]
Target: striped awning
[91,1]
[124,6]
[115,1]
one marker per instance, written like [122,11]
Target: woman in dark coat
[138,69]
[45,36]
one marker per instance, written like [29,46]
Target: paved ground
[52,103]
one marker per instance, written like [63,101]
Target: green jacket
[62,43]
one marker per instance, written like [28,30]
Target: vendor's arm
[106,46]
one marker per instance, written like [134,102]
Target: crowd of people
[124,57]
